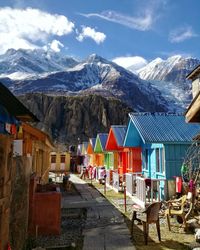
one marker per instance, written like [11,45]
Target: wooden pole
[125,207]
[104,184]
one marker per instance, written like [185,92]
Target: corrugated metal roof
[85,145]
[14,106]
[103,139]
[92,142]
[164,127]
[119,132]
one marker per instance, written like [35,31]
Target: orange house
[90,151]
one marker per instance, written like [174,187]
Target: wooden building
[38,145]
[14,173]
[164,139]
[99,149]
[193,112]
[60,162]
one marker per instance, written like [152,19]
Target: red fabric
[9,248]
[13,129]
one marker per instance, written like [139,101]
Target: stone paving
[89,222]
[105,227]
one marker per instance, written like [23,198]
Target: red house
[128,158]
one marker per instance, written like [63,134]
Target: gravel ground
[74,220]
[176,239]
[72,223]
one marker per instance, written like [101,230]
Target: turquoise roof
[161,128]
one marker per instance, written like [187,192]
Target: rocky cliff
[68,118]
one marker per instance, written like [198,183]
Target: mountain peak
[95,58]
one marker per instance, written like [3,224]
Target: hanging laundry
[20,130]
[8,127]
[13,129]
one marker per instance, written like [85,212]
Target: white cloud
[143,18]
[25,28]
[131,62]
[142,23]
[181,34]
[55,45]
[98,37]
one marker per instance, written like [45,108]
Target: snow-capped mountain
[174,69]
[169,77]
[94,75]
[162,88]
[22,63]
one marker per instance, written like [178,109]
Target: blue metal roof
[85,145]
[92,142]
[103,139]
[119,132]
[163,127]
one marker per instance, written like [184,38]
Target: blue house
[164,139]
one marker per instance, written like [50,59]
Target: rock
[193,224]
[67,118]
[38,248]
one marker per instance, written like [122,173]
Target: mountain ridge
[163,87]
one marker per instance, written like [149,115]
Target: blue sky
[110,28]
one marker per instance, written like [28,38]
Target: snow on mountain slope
[33,61]
[174,69]
[94,71]
[169,77]
[162,88]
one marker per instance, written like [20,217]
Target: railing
[148,193]
[130,179]
[108,177]
[117,181]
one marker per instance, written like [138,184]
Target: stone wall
[20,201]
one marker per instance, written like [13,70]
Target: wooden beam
[193,112]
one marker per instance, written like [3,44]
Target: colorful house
[114,157]
[127,159]
[99,149]
[60,162]
[90,151]
[84,154]
[114,146]
[164,139]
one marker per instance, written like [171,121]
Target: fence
[149,193]
[130,179]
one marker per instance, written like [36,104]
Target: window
[160,160]
[62,159]
[53,158]
[146,158]
[157,160]
[162,153]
